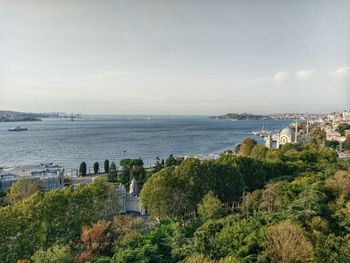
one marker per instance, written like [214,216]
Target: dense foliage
[265,205]
[52,218]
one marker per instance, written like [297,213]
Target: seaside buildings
[50,175]
[330,123]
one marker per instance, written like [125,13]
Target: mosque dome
[286,132]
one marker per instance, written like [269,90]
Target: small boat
[18,128]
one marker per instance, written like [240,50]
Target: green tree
[82,169]
[157,166]
[210,207]
[259,152]
[45,218]
[96,167]
[132,168]
[247,146]
[254,172]
[161,196]
[332,144]
[243,237]
[23,188]
[170,161]
[199,258]
[106,166]
[112,174]
[342,127]
[340,183]
[54,254]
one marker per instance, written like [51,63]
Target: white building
[285,136]
[50,175]
[275,140]
[346,115]
[129,202]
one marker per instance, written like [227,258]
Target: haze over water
[97,138]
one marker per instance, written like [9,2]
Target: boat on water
[18,128]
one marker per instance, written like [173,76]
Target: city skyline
[174,57]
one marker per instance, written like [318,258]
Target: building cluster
[50,175]
[330,123]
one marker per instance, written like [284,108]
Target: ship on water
[18,128]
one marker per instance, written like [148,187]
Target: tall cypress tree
[106,166]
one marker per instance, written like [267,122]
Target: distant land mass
[11,116]
[241,116]
[272,116]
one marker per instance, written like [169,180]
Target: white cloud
[281,77]
[341,72]
[305,74]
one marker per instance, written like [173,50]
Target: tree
[233,235]
[171,161]
[340,183]
[82,169]
[160,196]
[55,254]
[106,166]
[247,146]
[342,127]
[157,165]
[132,168]
[238,146]
[318,135]
[332,144]
[210,207]
[112,174]
[259,152]
[96,239]
[269,201]
[199,258]
[287,243]
[96,167]
[253,172]
[45,218]
[23,188]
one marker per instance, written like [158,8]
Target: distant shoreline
[23,120]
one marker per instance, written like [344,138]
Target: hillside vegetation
[266,205]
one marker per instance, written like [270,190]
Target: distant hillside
[241,116]
[9,116]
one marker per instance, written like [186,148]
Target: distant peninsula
[12,116]
[241,116]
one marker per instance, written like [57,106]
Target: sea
[96,138]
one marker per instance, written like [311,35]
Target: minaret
[307,127]
[296,129]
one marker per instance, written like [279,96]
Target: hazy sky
[174,57]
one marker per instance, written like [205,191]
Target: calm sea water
[98,138]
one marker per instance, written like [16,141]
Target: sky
[174,57]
